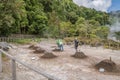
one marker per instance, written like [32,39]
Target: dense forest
[52,18]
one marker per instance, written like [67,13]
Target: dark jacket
[76,43]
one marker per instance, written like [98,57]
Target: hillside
[56,18]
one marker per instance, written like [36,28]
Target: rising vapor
[100,5]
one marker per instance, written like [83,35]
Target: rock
[33,58]
[101,70]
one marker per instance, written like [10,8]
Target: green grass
[26,41]
[4,57]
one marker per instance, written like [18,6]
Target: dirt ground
[64,66]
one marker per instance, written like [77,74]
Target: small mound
[108,65]
[56,50]
[0,47]
[33,47]
[69,43]
[39,50]
[79,55]
[117,68]
[53,46]
[6,48]
[48,55]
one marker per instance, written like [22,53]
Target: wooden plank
[37,70]
[0,61]
[13,67]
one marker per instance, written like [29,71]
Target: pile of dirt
[39,50]
[48,55]
[79,55]
[5,46]
[53,46]
[107,64]
[0,47]
[56,50]
[33,47]
[117,68]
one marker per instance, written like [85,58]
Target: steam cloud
[115,27]
[100,5]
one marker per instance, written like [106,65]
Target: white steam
[100,5]
[115,27]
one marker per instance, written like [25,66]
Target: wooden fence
[14,37]
[13,67]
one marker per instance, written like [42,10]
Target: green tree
[65,27]
[6,19]
[20,15]
[37,19]
[72,17]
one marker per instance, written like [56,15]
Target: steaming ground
[64,66]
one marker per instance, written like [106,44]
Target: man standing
[61,45]
[76,43]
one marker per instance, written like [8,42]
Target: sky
[115,5]
[100,5]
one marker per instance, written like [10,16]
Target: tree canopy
[53,18]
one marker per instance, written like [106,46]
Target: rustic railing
[16,37]
[13,67]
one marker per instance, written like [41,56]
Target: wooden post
[110,58]
[96,45]
[13,67]
[0,61]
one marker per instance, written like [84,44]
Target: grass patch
[4,57]
[26,41]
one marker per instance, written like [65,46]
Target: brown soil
[56,50]
[6,49]
[48,55]
[0,47]
[79,55]
[117,68]
[39,50]
[108,65]
[33,47]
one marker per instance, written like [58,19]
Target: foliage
[26,41]
[52,18]
[6,19]
[111,44]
